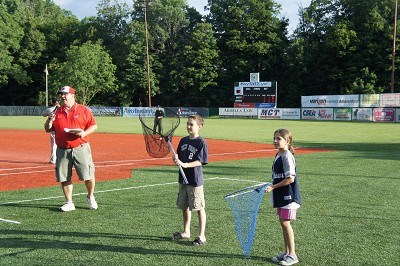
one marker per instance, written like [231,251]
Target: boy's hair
[198,118]
[287,135]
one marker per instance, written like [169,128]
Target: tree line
[338,47]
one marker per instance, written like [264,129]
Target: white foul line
[9,221]
[115,163]
[120,189]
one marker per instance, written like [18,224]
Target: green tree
[88,68]
[250,37]
[21,46]
[198,62]
[345,46]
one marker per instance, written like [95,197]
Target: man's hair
[198,118]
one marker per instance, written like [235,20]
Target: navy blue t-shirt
[190,150]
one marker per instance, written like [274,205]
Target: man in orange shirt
[72,123]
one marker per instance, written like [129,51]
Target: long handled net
[158,136]
[244,204]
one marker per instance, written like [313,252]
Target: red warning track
[24,156]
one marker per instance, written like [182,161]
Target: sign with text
[390,100]
[238,112]
[384,115]
[369,100]
[361,114]
[330,101]
[317,113]
[342,114]
[279,113]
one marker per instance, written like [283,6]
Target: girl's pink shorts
[286,214]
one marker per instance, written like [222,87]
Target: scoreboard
[259,94]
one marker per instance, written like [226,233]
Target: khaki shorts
[79,157]
[190,197]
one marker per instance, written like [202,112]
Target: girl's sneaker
[278,257]
[289,260]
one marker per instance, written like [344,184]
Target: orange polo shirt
[79,116]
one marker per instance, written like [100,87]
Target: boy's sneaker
[92,203]
[278,257]
[67,207]
[289,260]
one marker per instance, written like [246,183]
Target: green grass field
[349,214]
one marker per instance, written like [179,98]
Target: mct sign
[270,113]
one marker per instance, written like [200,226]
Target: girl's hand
[269,189]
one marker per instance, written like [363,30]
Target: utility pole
[147,54]
[394,47]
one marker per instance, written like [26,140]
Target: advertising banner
[330,101]
[134,111]
[271,113]
[342,114]
[106,111]
[390,100]
[361,114]
[237,112]
[317,113]
[384,115]
[244,105]
[265,105]
[291,113]
[369,100]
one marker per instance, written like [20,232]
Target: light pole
[394,47]
[147,55]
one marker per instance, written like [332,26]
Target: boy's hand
[176,160]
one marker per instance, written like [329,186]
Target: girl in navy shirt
[285,193]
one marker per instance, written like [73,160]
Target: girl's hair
[198,118]
[286,134]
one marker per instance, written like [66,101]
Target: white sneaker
[289,260]
[92,203]
[67,207]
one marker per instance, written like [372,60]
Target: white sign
[254,77]
[390,100]
[236,112]
[279,113]
[256,84]
[330,101]
[361,114]
[369,100]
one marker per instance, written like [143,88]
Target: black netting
[156,139]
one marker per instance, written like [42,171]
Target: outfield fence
[379,114]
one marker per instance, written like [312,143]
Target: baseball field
[348,173]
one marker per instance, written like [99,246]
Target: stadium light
[394,47]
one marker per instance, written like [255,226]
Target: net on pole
[245,204]
[157,140]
